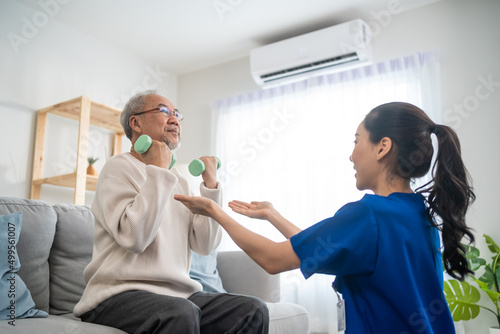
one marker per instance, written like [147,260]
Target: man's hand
[210,174]
[259,210]
[158,155]
[198,205]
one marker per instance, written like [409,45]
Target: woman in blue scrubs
[383,249]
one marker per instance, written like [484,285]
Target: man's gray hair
[134,105]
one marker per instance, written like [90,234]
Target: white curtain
[290,145]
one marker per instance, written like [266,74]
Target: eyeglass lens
[168,112]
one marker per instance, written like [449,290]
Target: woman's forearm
[272,256]
[282,224]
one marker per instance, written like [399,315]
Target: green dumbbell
[197,167]
[143,143]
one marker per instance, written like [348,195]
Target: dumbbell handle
[143,143]
[197,167]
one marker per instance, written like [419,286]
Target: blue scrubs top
[386,258]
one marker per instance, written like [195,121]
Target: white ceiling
[186,35]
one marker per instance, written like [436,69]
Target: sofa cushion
[16,301]
[240,274]
[35,241]
[288,318]
[70,254]
[55,324]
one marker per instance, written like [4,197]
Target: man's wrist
[211,185]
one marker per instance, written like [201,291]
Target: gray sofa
[55,245]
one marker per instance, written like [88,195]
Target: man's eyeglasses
[166,111]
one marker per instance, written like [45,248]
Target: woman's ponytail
[449,196]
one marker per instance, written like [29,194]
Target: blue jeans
[142,312]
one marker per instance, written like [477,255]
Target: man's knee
[182,310]
[257,315]
[181,317]
[261,311]
[258,305]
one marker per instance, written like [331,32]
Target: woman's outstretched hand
[197,205]
[259,210]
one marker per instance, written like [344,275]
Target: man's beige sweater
[142,236]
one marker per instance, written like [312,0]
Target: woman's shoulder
[397,207]
[396,198]
[355,210]
[374,205]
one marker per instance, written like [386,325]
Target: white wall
[197,91]
[44,62]
[465,33]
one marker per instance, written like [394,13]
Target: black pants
[142,312]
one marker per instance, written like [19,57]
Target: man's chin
[174,145]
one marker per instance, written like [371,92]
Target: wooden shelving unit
[86,113]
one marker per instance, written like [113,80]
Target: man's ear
[135,124]
[384,147]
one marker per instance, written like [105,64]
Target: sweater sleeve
[206,233]
[130,212]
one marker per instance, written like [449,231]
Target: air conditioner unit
[331,49]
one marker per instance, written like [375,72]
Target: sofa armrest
[241,275]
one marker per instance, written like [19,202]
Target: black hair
[449,193]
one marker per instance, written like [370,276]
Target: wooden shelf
[67,180]
[101,115]
[86,113]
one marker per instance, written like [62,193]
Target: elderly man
[138,279]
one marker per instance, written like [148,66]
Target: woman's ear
[384,147]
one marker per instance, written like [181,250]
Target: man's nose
[173,120]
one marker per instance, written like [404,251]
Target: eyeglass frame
[175,112]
